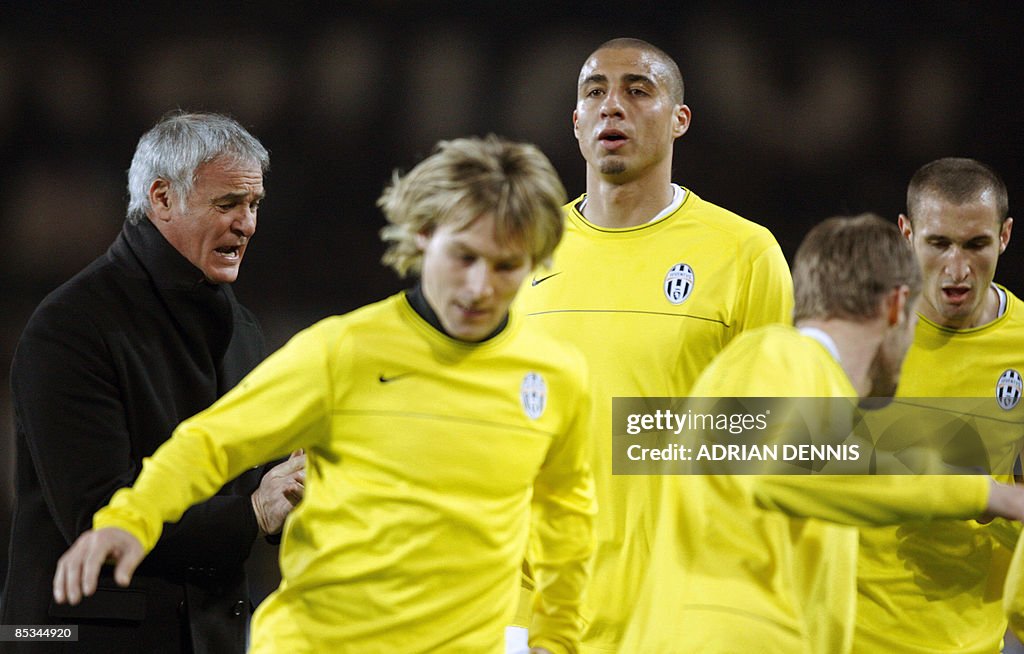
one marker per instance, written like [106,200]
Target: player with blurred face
[470,277]
[441,430]
[755,581]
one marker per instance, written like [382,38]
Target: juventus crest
[679,283]
[533,393]
[1008,389]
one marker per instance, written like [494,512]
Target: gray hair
[179,144]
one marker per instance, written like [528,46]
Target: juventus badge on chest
[1008,389]
[534,395]
[679,283]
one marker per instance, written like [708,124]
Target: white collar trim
[823,338]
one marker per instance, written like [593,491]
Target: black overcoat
[107,366]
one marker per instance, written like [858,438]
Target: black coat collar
[202,311]
[165,265]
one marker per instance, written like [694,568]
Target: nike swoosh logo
[535,281]
[384,379]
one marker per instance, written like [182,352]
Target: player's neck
[989,308]
[626,205]
[857,343]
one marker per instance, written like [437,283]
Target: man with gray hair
[147,335]
[440,428]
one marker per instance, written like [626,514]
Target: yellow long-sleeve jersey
[649,306]
[729,576]
[938,587]
[424,454]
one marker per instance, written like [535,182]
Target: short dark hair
[675,78]
[958,180]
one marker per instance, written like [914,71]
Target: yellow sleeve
[769,295]
[874,500]
[1013,591]
[564,505]
[280,406]
[825,579]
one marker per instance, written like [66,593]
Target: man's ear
[160,199]
[682,118]
[906,227]
[1004,234]
[894,305]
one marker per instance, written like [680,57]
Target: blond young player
[651,281]
[757,580]
[430,421]
[938,587]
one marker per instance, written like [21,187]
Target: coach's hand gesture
[280,489]
[78,571]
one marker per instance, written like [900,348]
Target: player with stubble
[650,281]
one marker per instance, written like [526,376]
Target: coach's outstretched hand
[78,571]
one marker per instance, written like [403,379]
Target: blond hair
[465,179]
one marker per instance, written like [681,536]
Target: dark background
[800,111]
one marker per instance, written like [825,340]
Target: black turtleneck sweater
[414,296]
[107,366]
